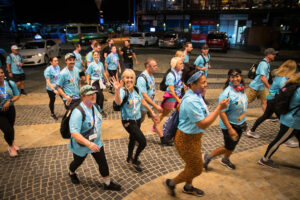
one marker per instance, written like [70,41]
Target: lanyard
[73,78]
[56,71]
[243,100]
[90,116]
[4,94]
[204,104]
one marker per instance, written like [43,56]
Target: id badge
[241,117]
[94,136]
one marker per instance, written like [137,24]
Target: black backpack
[117,107]
[281,102]
[64,126]
[252,72]
[144,77]
[162,85]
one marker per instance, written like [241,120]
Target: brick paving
[41,173]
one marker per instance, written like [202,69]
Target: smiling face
[128,78]
[114,49]
[200,84]
[54,62]
[89,99]
[235,80]
[70,63]
[96,56]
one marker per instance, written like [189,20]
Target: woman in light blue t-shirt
[233,118]
[194,118]
[284,72]
[131,99]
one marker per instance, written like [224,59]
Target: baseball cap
[270,51]
[87,90]
[14,47]
[69,55]
[205,46]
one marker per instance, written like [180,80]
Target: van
[84,33]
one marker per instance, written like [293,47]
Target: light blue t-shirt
[141,84]
[278,83]
[131,110]
[200,62]
[69,82]
[14,61]
[176,82]
[7,92]
[52,73]
[89,57]
[290,119]
[78,61]
[263,69]
[186,59]
[95,70]
[191,111]
[238,104]
[77,126]
[112,60]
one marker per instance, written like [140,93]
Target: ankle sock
[107,181]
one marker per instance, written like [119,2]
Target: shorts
[81,74]
[169,105]
[229,144]
[112,73]
[19,77]
[128,65]
[253,94]
[144,113]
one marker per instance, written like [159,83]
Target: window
[34,45]
[136,35]
[72,30]
[89,29]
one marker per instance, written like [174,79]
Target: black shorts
[112,73]
[19,77]
[229,144]
[128,65]
[81,74]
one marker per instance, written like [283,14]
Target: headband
[195,77]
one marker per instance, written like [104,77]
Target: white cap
[14,47]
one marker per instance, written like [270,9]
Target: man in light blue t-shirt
[188,47]
[146,85]
[79,64]
[257,86]
[69,82]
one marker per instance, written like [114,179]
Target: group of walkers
[185,84]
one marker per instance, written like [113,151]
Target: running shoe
[170,189]
[291,144]
[252,134]
[112,186]
[272,119]
[268,163]
[54,117]
[193,191]
[206,161]
[74,178]
[226,162]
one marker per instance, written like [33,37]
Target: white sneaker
[252,134]
[291,144]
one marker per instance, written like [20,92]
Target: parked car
[171,40]
[37,52]
[143,39]
[218,40]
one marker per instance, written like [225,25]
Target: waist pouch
[242,127]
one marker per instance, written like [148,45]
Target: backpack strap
[144,76]
[203,59]
[82,112]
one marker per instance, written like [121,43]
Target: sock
[264,159]
[188,186]
[71,173]
[171,182]
[107,181]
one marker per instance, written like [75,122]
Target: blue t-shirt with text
[14,61]
[131,110]
[52,73]
[69,82]
[141,84]
[7,92]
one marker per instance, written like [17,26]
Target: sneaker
[165,142]
[206,161]
[291,144]
[272,119]
[23,93]
[170,189]
[104,114]
[129,160]
[268,163]
[112,186]
[252,134]
[226,162]
[74,178]
[193,191]
[136,166]
[54,117]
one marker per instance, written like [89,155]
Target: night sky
[70,11]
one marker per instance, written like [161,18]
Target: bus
[84,33]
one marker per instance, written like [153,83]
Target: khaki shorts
[253,94]
[144,113]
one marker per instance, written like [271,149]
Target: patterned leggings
[189,149]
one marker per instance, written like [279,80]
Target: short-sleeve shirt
[176,82]
[95,70]
[186,58]
[237,107]
[291,119]
[78,61]
[69,82]
[141,84]
[200,62]
[107,50]
[278,83]
[113,61]
[263,69]
[89,57]
[77,126]
[131,110]
[52,73]
[191,111]
[127,54]
[7,92]
[14,61]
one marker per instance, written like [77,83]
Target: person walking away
[128,53]
[112,65]
[79,64]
